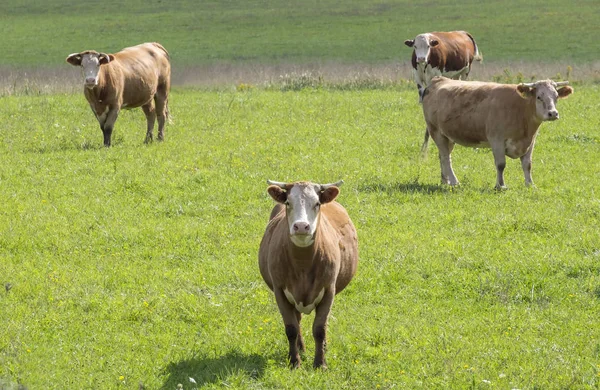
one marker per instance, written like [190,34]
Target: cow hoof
[501,188]
[295,363]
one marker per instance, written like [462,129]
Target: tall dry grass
[67,79]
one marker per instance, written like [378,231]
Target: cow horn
[529,85]
[336,184]
[561,83]
[277,183]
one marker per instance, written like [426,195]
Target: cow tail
[478,56]
[168,113]
[425,143]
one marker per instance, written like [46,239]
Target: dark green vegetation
[43,33]
[139,263]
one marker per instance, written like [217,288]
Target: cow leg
[526,165]
[421,90]
[300,340]
[162,108]
[150,118]
[320,328]
[107,122]
[500,161]
[292,326]
[445,147]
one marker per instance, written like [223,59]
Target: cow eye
[286,203]
[317,205]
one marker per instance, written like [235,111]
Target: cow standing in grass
[448,54]
[138,76]
[503,117]
[308,254]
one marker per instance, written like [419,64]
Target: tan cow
[503,117]
[138,76]
[308,254]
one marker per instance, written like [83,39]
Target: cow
[137,76]
[308,254]
[448,54]
[503,117]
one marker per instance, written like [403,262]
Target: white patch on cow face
[300,306]
[545,101]
[302,210]
[422,48]
[90,64]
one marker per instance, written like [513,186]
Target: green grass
[138,263]
[43,33]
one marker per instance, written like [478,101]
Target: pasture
[136,266]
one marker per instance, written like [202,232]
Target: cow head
[546,93]
[422,45]
[303,202]
[90,62]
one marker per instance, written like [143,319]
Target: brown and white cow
[448,54]
[138,76]
[503,117]
[308,254]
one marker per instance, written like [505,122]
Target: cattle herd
[309,251]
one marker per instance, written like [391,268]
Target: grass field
[260,31]
[138,264]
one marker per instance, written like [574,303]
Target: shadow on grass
[407,188]
[206,370]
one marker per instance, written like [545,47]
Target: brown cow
[308,254]
[138,76]
[503,117]
[448,54]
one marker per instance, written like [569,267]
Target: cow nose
[301,228]
[420,59]
[90,80]
[553,115]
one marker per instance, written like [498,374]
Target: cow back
[138,71]
[470,112]
[455,51]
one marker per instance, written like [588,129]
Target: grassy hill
[38,33]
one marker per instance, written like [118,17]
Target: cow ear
[328,195]
[74,59]
[104,58]
[525,90]
[277,193]
[409,42]
[434,43]
[564,92]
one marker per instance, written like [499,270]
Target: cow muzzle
[421,60]
[552,115]
[91,82]
[301,235]
[301,228]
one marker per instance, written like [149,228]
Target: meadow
[136,266]
[138,263]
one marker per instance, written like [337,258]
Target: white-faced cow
[448,54]
[503,117]
[138,76]
[308,254]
